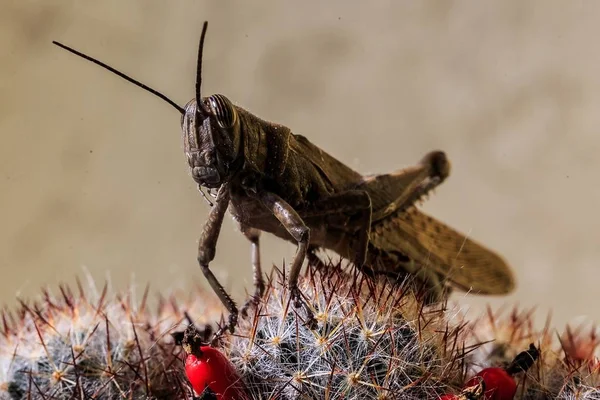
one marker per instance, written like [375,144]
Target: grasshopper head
[211,133]
[211,139]
[210,126]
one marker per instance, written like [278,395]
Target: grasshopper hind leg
[400,190]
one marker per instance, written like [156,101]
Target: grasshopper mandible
[275,181]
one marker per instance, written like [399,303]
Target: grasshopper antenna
[122,75]
[199,69]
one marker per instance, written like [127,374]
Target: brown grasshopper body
[274,181]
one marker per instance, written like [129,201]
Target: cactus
[374,339]
[567,368]
[93,345]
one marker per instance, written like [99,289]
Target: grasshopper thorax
[211,139]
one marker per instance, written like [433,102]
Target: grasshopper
[275,181]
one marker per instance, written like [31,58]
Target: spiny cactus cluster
[89,345]
[568,367]
[373,340]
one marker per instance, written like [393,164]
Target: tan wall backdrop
[92,173]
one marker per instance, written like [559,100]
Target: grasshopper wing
[339,175]
[432,244]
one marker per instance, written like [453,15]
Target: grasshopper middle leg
[354,203]
[298,230]
[354,207]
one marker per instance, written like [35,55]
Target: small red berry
[207,368]
[450,397]
[499,385]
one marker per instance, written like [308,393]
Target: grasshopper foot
[311,321]
[253,301]
[232,323]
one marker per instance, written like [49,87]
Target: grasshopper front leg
[206,253]
[253,235]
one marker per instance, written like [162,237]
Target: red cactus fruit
[208,370]
[499,385]
[499,382]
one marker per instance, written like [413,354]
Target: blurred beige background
[92,172]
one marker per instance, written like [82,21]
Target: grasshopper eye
[223,110]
